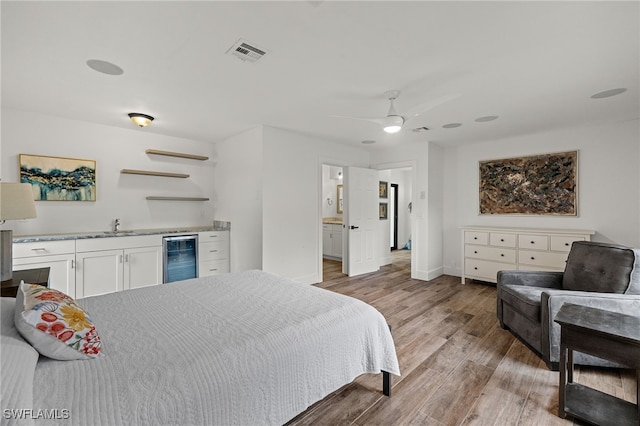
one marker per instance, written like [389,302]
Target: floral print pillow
[55,324]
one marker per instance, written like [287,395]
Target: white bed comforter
[248,348]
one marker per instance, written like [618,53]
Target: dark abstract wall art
[59,179]
[544,184]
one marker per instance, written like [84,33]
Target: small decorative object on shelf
[177,198]
[152,173]
[176,154]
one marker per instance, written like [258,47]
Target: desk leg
[566,376]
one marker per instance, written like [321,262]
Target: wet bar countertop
[123,233]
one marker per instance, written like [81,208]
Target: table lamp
[16,202]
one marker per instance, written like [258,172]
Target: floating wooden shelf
[177,198]
[176,154]
[151,173]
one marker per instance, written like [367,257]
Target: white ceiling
[534,64]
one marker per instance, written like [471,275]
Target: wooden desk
[32,276]
[605,334]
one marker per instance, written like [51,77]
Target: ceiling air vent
[246,51]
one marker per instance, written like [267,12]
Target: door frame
[327,161]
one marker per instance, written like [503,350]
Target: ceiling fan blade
[427,106]
[379,121]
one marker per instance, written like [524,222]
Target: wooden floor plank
[458,366]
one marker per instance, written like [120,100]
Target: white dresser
[213,253]
[488,250]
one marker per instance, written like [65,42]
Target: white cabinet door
[99,272]
[142,267]
[336,238]
[61,270]
[327,244]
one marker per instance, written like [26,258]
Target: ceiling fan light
[141,120]
[392,129]
[394,124]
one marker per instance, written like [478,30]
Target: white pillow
[54,324]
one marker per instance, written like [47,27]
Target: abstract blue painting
[59,179]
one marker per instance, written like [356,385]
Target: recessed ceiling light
[420,129]
[486,118]
[104,67]
[368,142]
[452,125]
[608,93]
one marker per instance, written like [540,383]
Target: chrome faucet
[116,225]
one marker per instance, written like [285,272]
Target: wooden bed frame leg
[386,383]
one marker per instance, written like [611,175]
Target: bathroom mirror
[339,206]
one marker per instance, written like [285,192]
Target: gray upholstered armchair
[600,275]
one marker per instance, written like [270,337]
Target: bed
[242,348]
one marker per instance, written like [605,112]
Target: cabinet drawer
[44,248]
[213,267]
[543,259]
[563,243]
[475,237]
[534,242]
[485,270]
[213,251]
[209,236]
[496,254]
[502,240]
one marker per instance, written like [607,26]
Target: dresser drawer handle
[213,270]
[533,242]
[533,258]
[213,251]
[475,267]
[501,254]
[475,252]
[566,244]
[39,249]
[502,240]
[475,238]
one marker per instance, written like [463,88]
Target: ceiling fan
[394,122]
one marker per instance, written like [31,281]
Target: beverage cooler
[180,258]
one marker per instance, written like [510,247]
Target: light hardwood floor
[458,366]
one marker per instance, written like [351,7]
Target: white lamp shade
[16,201]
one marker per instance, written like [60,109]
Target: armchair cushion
[598,267]
[524,299]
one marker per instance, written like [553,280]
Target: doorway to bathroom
[332,213]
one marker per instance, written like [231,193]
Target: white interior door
[361,221]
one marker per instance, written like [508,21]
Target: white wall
[330,191]
[436,210]
[292,193]
[384,240]
[118,196]
[237,195]
[608,184]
